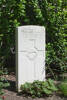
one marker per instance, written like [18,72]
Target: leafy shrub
[56,60]
[39,88]
[3,71]
[63,88]
[3,85]
[3,81]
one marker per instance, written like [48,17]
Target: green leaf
[63,88]
[51,85]
[47,91]
[6,84]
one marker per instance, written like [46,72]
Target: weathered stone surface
[30,54]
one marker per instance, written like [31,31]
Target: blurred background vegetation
[51,14]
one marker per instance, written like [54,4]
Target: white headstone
[30,54]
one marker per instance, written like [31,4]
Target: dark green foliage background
[49,13]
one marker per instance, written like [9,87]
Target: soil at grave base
[11,94]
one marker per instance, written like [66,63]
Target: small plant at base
[39,88]
[3,82]
[63,88]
